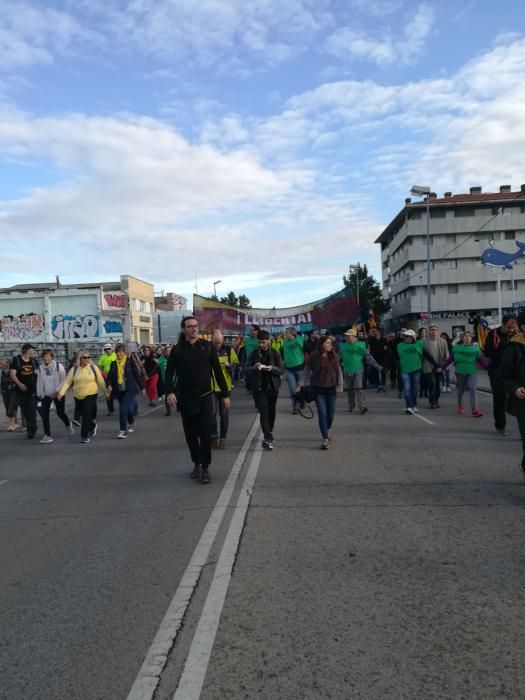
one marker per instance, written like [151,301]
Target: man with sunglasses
[189,382]
[86,381]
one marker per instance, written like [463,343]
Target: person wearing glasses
[86,381]
[265,368]
[193,360]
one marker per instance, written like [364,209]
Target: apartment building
[462,227]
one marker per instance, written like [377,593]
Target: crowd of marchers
[197,376]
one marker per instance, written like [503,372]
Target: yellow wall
[140,293]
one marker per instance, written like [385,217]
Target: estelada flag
[372,319]
[483,331]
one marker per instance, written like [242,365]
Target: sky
[263,143]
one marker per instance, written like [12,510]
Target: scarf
[120,370]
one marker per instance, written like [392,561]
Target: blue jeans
[325,410]
[293,376]
[126,406]
[411,387]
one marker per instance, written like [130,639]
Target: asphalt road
[390,566]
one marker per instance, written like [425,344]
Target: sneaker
[325,444]
[461,408]
[266,445]
[70,429]
[76,422]
[501,431]
[221,444]
[46,440]
[476,413]
[12,428]
[205,476]
[195,474]
[295,412]
[415,409]
[110,413]
[152,403]
[363,410]
[94,431]
[122,435]
[131,427]
[350,410]
[84,441]
[410,411]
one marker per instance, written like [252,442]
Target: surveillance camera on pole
[420,190]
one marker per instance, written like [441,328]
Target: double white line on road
[192,679]
[149,675]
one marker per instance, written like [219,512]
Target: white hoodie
[50,379]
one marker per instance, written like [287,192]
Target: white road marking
[149,675]
[418,415]
[3,482]
[192,678]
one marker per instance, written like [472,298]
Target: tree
[244,302]
[368,295]
[239,302]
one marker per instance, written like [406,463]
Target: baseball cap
[350,331]
[108,346]
[409,332]
[28,346]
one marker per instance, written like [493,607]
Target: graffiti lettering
[113,326]
[117,300]
[72,327]
[23,327]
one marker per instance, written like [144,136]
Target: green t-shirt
[293,351]
[353,356]
[410,356]
[250,344]
[163,361]
[105,361]
[465,358]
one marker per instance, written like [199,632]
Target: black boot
[196,472]
[205,477]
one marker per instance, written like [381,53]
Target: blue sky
[265,143]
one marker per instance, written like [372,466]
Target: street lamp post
[355,268]
[420,190]
[215,287]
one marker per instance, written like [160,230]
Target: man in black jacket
[265,367]
[496,342]
[192,361]
[512,376]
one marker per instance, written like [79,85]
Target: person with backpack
[511,371]
[23,373]
[125,382]
[86,381]
[51,376]
[265,367]
[104,363]
[192,361]
[228,359]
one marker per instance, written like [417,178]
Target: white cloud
[347,42]
[31,35]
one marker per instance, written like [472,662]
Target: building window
[415,215]
[452,288]
[510,235]
[485,211]
[486,287]
[511,210]
[452,264]
[462,212]
[438,213]
[506,285]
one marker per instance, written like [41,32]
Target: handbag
[306,397]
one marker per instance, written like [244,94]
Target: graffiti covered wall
[68,327]
[21,328]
